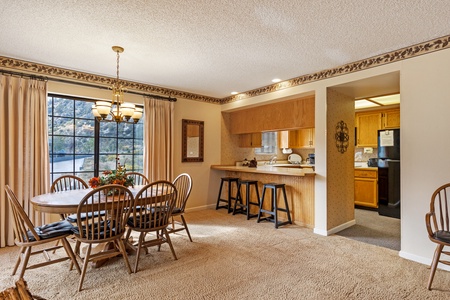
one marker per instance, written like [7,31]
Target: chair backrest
[23,227]
[439,218]
[111,204]
[139,178]
[68,182]
[183,184]
[153,206]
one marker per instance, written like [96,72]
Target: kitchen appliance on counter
[295,159]
[312,158]
[372,162]
[389,173]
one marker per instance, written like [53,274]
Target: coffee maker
[311,158]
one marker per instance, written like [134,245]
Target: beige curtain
[158,139]
[23,146]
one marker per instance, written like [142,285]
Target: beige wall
[341,180]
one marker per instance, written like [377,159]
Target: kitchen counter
[299,187]
[366,168]
[269,169]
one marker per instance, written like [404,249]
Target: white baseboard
[422,260]
[335,229]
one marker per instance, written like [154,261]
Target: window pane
[139,131]
[138,163]
[85,176]
[63,163]
[138,146]
[126,146]
[269,143]
[125,130]
[49,106]
[108,145]
[126,161]
[63,145]
[108,129]
[63,107]
[85,128]
[107,162]
[83,109]
[84,145]
[63,126]
[86,163]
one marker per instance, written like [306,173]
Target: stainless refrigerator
[389,173]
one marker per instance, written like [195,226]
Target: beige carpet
[232,258]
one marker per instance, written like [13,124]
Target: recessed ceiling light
[234,93]
[275,80]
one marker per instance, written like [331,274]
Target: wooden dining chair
[151,213]
[115,201]
[139,178]
[183,184]
[438,226]
[28,236]
[66,183]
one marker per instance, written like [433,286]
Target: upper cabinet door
[391,118]
[367,125]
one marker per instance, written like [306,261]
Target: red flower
[94,182]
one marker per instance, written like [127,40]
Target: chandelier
[117,109]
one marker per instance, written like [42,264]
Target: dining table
[66,202]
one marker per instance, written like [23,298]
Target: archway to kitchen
[374,224]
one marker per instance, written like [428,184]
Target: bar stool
[274,205]
[239,205]
[229,181]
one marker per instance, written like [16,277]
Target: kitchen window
[82,146]
[269,144]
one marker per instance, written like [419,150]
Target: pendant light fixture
[119,110]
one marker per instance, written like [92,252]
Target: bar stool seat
[244,207]
[273,213]
[229,181]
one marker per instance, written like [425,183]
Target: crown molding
[375,61]
[76,76]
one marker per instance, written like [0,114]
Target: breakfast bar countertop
[267,169]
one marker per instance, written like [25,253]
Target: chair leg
[85,266]
[186,227]
[170,243]
[138,252]
[70,253]
[26,258]
[19,259]
[123,250]
[434,263]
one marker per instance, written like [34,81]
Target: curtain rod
[13,73]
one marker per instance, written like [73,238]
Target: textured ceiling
[212,48]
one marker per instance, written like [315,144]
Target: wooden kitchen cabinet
[306,138]
[366,188]
[250,140]
[391,119]
[367,125]
[301,138]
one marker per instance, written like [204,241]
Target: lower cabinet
[366,188]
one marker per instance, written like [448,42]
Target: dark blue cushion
[443,236]
[101,230]
[52,230]
[73,218]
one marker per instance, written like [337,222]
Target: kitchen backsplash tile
[361,156]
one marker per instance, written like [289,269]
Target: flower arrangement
[112,177]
